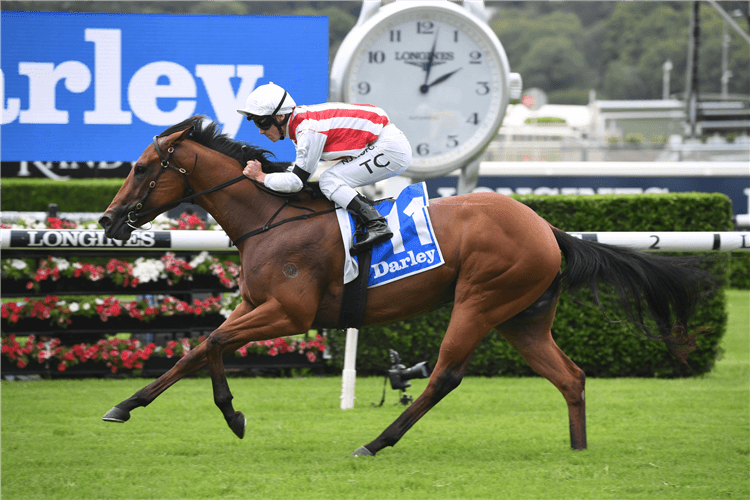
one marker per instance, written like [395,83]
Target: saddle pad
[413,248]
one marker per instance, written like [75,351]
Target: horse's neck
[238,208]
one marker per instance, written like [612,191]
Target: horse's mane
[207,133]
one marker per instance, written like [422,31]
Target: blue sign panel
[736,188]
[98,87]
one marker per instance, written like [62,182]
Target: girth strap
[355,295]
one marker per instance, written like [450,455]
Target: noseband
[188,194]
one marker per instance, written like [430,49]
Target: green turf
[500,438]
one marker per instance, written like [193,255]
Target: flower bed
[56,313]
[74,274]
[83,320]
[131,354]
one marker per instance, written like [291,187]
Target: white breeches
[387,157]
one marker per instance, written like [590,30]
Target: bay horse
[502,271]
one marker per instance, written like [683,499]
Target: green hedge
[599,347]
[739,270]
[75,195]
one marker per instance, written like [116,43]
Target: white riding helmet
[266,100]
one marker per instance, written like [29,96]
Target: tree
[553,63]
[622,81]
[650,67]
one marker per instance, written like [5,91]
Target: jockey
[366,146]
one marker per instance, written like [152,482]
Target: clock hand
[444,77]
[428,66]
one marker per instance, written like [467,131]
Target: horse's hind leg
[465,331]
[529,333]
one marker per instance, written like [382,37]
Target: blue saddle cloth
[413,248]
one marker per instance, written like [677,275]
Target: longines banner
[94,239]
[95,88]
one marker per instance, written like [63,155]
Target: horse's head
[155,181]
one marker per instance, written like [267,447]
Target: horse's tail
[666,287]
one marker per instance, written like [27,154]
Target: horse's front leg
[192,362]
[267,321]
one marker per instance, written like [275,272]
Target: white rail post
[349,375]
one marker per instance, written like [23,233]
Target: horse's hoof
[238,424]
[363,452]
[116,415]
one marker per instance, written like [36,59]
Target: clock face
[441,78]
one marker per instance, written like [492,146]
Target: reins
[270,225]
[134,215]
[190,197]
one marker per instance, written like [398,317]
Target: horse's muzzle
[115,227]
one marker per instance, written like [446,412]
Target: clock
[439,72]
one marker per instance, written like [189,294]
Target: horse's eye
[140,170]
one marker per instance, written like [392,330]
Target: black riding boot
[377,228]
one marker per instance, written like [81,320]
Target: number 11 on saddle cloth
[413,248]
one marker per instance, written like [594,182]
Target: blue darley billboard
[98,87]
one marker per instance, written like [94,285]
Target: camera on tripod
[400,375]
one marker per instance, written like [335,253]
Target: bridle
[189,195]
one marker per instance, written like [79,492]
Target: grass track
[500,438]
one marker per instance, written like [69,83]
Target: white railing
[217,240]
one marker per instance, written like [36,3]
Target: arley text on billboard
[97,87]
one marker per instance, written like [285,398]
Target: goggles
[266,122]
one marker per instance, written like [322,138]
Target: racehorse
[502,270]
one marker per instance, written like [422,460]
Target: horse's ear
[183,135]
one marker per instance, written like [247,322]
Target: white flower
[74,307]
[200,259]
[62,264]
[98,301]
[18,264]
[159,226]
[86,306]
[147,269]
